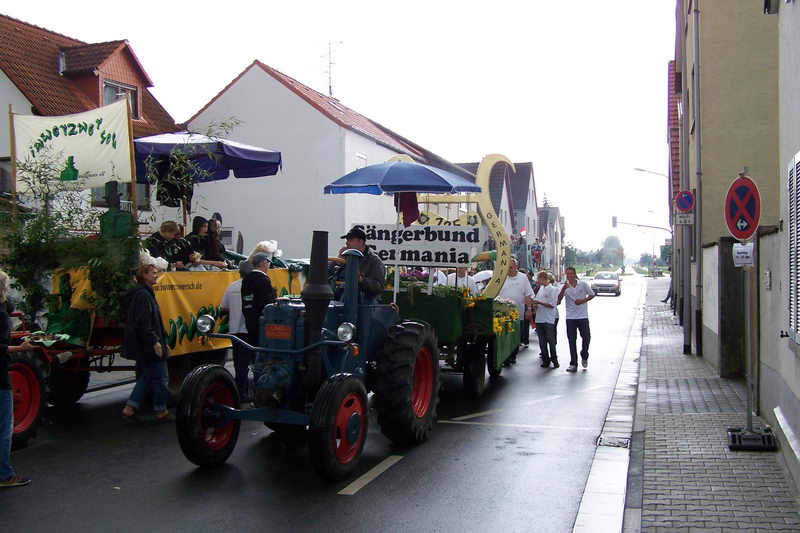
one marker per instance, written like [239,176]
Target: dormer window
[114,91]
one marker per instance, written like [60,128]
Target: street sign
[742,208]
[743,255]
[684,219]
[684,201]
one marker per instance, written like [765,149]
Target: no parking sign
[742,208]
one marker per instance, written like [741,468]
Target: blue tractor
[315,363]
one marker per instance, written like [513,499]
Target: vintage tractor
[315,363]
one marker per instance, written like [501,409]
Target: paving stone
[690,480]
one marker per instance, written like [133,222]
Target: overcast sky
[579,88]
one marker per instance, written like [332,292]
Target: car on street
[607,282]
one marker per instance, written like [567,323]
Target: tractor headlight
[205,324]
[346,331]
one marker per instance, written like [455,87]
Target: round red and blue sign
[684,201]
[742,208]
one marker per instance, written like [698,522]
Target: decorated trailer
[77,341]
[476,333]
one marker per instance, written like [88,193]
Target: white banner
[451,246]
[93,147]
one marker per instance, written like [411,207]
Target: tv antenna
[330,66]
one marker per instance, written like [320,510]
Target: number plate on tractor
[278,331]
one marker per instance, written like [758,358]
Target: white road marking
[594,388]
[545,399]
[374,472]
[476,415]
[522,426]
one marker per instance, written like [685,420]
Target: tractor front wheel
[205,438]
[338,426]
[406,382]
[27,390]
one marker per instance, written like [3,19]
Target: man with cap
[256,294]
[242,357]
[371,272]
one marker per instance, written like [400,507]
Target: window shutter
[793,196]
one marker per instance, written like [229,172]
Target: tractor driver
[371,272]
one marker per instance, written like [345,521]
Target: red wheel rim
[27,392]
[348,429]
[423,382]
[217,437]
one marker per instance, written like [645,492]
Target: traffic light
[613,222]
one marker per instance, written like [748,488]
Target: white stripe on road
[476,415]
[523,426]
[545,399]
[594,388]
[376,471]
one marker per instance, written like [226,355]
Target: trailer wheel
[338,427]
[406,382]
[65,387]
[27,389]
[475,369]
[204,438]
[494,370]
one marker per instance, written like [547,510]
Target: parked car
[607,282]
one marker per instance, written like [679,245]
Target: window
[114,91]
[793,195]
[5,175]
[142,194]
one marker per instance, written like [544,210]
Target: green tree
[611,251]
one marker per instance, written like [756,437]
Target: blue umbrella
[244,160]
[401,177]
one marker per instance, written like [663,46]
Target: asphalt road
[515,460]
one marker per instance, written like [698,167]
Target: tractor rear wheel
[65,387]
[27,389]
[475,369]
[338,427]
[406,382]
[207,440]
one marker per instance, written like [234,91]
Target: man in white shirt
[242,357]
[577,292]
[460,279]
[518,288]
[546,301]
[438,276]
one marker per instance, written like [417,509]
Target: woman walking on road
[145,341]
[7,476]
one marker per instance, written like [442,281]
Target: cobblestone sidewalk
[685,478]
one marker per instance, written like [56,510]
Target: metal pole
[748,349]
[698,223]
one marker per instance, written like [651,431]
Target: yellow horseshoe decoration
[496,229]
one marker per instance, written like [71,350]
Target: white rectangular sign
[743,254]
[90,148]
[684,219]
[415,245]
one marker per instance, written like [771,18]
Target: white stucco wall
[316,151]
[711,289]
[9,94]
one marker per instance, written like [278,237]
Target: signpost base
[753,440]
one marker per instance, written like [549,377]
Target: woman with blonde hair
[7,476]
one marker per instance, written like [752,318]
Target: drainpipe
[698,223]
[686,230]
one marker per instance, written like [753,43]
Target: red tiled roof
[88,56]
[673,121]
[330,107]
[30,56]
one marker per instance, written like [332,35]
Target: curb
[604,496]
